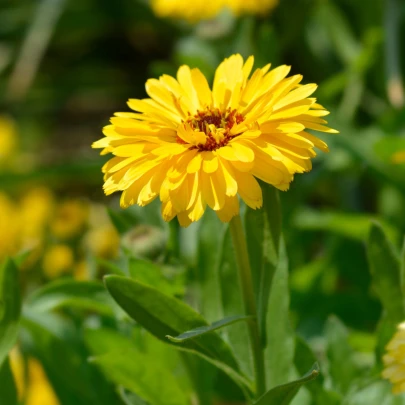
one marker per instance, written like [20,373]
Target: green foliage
[8,390]
[283,394]
[10,307]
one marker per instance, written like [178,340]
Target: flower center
[216,125]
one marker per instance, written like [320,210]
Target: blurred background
[66,66]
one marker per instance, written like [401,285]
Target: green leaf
[10,307]
[130,398]
[263,233]
[279,354]
[163,315]
[202,330]
[8,390]
[151,274]
[87,295]
[123,220]
[385,268]
[210,234]
[231,300]
[55,342]
[284,394]
[342,367]
[305,356]
[140,374]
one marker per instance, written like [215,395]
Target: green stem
[249,301]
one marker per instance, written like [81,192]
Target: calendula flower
[240,7]
[59,259]
[394,360]
[183,9]
[193,146]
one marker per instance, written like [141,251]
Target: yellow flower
[394,360]
[193,146]
[58,260]
[192,12]
[8,138]
[32,383]
[240,7]
[398,157]
[69,219]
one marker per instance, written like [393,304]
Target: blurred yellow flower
[240,7]
[70,218]
[9,226]
[399,157]
[8,138]
[32,383]
[193,146]
[394,360]
[183,9]
[58,259]
[102,239]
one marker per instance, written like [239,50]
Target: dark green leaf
[385,270]
[284,394]
[122,220]
[8,390]
[202,330]
[163,315]
[10,307]
[88,295]
[263,232]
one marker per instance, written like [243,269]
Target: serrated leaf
[10,307]
[263,233]
[163,315]
[8,390]
[202,330]
[385,268]
[284,394]
[88,295]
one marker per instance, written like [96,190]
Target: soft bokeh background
[66,66]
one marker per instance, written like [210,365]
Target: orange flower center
[216,124]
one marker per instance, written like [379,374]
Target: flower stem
[245,276]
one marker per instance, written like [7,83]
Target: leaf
[385,270]
[140,373]
[163,315]
[123,220]
[279,354]
[305,356]
[88,295]
[263,233]
[54,341]
[129,398]
[231,297]
[210,234]
[8,390]
[151,274]
[342,368]
[284,394]
[197,332]
[10,307]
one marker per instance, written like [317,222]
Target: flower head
[394,360]
[193,146]
[240,7]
